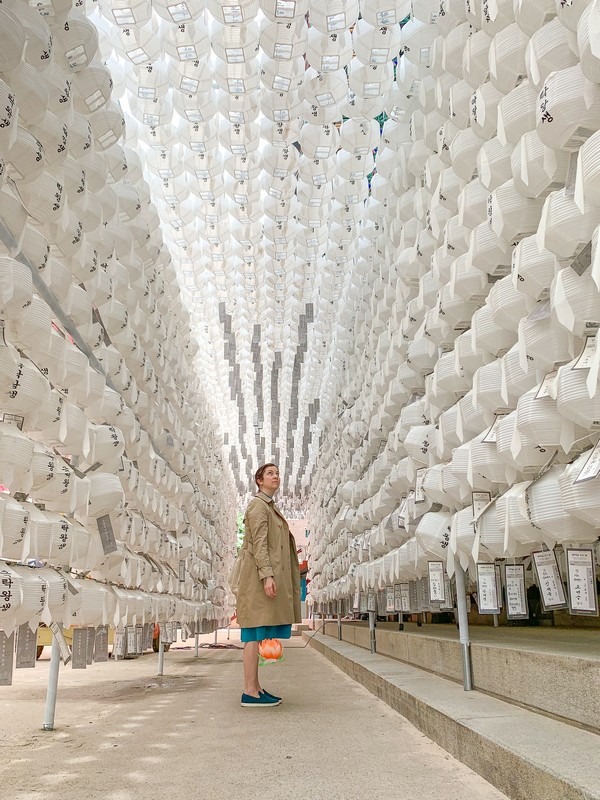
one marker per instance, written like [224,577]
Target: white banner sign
[581,569]
[437,587]
[487,589]
[389,599]
[549,581]
[516,594]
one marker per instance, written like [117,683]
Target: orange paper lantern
[270,650]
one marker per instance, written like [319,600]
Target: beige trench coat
[269,549]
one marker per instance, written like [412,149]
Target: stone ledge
[509,666]
[525,755]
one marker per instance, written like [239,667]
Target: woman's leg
[250,658]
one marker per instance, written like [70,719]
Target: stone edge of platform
[519,775]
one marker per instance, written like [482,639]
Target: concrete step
[526,755]
[550,670]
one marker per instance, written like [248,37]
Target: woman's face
[270,480]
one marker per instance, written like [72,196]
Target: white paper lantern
[568,109]
[75,42]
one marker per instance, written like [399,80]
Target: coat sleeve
[258,521]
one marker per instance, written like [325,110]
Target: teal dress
[266,632]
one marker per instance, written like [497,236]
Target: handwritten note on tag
[419,493]
[371,601]
[437,586]
[516,595]
[26,647]
[549,580]
[107,536]
[587,354]
[79,648]
[487,589]
[491,437]
[389,599]
[479,502]
[101,644]
[118,650]
[549,381]
[591,468]
[581,569]
[7,658]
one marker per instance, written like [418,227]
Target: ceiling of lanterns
[258,126]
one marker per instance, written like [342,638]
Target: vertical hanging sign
[101,644]
[487,589]
[581,570]
[119,643]
[549,580]
[148,634]
[91,641]
[398,597]
[437,586]
[449,601]
[356,600]
[405,598]
[516,594]
[107,535]
[363,603]
[419,492]
[26,647]
[139,639]
[7,658]
[389,600]
[79,648]
[499,586]
[413,598]
[131,640]
[371,600]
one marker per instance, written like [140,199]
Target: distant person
[267,583]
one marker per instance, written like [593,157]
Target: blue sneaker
[268,694]
[264,701]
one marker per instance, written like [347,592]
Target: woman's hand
[270,587]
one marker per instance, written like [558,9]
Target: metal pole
[339,619]
[463,627]
[216,633]
[372,631]
[196,639]
[48,724]
[496,621]
[161,657]
[400,621]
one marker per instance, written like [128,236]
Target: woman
[268,582]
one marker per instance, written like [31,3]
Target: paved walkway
[124,734]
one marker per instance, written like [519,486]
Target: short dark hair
[261,471]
